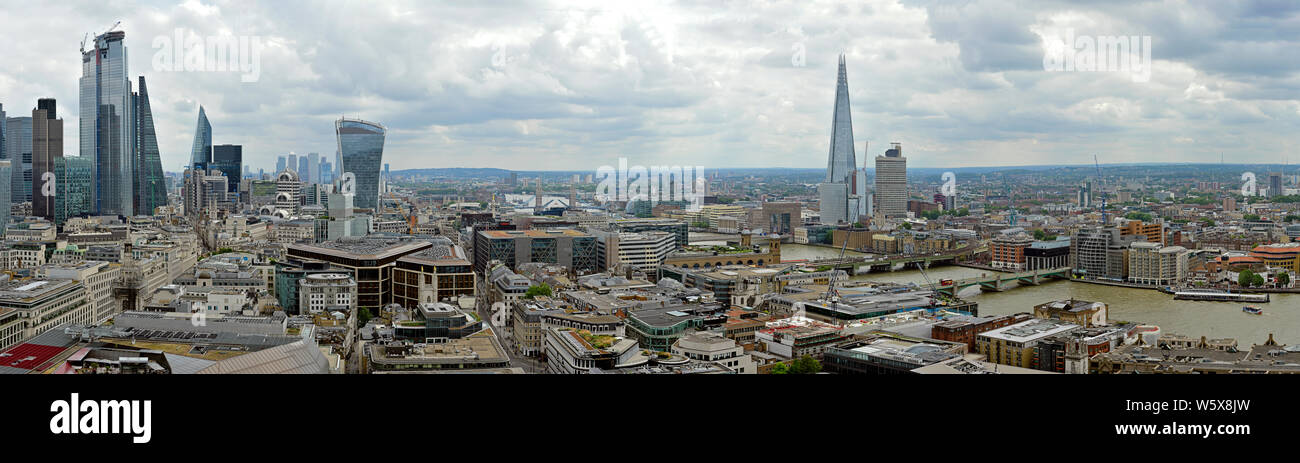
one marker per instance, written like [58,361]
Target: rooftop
[547,233]
[1030,330]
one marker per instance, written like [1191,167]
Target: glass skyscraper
[4,193]
[361,153]
[18,141]
[229,159]
[107,135]
[150,185]
[47,147]
[201,152]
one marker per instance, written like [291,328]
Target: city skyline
[963,86]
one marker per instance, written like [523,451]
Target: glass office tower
[201,152]
[361,152]
[47,145]
[107,133]
[229,159]
[150,184]
[18,141]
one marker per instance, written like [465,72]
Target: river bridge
[858,265]
[1000,281]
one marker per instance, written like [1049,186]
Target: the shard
[840,195]
[841,163]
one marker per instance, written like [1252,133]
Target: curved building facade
[201,151]
[361,153]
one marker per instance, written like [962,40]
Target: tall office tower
[326,172]
[839,193]
[280,163]
[313,168]
[1275,184]
[288,191]
[150,181]
[292,163]
[891,183]
[201,151]
[302,168]
[106,133]
[19,150]
[4,193]
[361,152]
[2,134]
[842,159]
[47,147]
[863,191]
[229,159]
[1085,194]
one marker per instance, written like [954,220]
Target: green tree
[1145,217]
[779,369]
[363,316]
[1250,217]
[1257,280]
[806,365]
[1283,279]
[1245,278]
[538,290]
[907,225]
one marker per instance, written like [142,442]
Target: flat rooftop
[374,248]
[1030,330]
[547,233]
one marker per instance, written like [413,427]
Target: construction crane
[87,36]
[1104,220]
[830,287]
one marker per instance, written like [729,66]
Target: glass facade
[4,193]
[201,151]
[361,152]
[229,159]
[106,132]
[150,182]
[73,198]
[19,151]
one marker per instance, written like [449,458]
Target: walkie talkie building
[361,153]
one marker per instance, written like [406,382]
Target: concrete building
[891,183]
[370,260]
[571,248]
[1083,313]
[440,273]
[42,304]
[97,277]
[644,251]
[321,291]
[712,347]
[1152,264]
[570,351]
[1014,345]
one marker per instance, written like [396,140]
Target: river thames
[1192,318]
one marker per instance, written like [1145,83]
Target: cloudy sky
[572,85]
